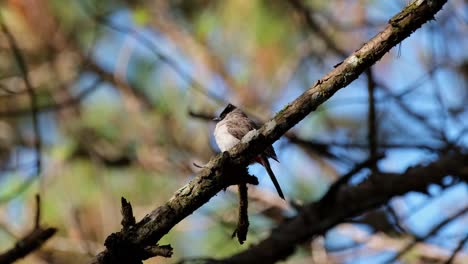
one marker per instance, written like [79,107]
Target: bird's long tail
[264,161]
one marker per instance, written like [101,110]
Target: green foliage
[141,16]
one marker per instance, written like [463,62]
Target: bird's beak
[216,119]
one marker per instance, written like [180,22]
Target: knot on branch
[234,174]
[238,175]
[121,250]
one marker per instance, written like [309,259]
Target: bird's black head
[229,108]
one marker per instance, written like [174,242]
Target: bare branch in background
[349,201]
[460,246]
[58,105]
[30,90]
[433,231]
[372,130]
[30,242]
[343,180]
[307,15]
[153,48]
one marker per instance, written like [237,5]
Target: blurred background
[120,95]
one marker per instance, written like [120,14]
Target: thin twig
[37,216]
[31,92]
[343,180]
[152,47]
[306,13]
[69,102]
[460,246]
[31,242]
[428,235]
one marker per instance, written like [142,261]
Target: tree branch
[229,165]
[27,244]
[460,246]
[18,56]
[349,202]
[433,231]
[32,241]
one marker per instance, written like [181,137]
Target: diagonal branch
[460,246]
[220,169]
[307,15]
[30,242]
[349,202]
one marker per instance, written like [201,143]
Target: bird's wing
[240,129]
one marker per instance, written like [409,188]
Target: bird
[232,125]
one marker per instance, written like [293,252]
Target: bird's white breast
[223,138]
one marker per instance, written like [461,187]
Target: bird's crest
[229,108]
